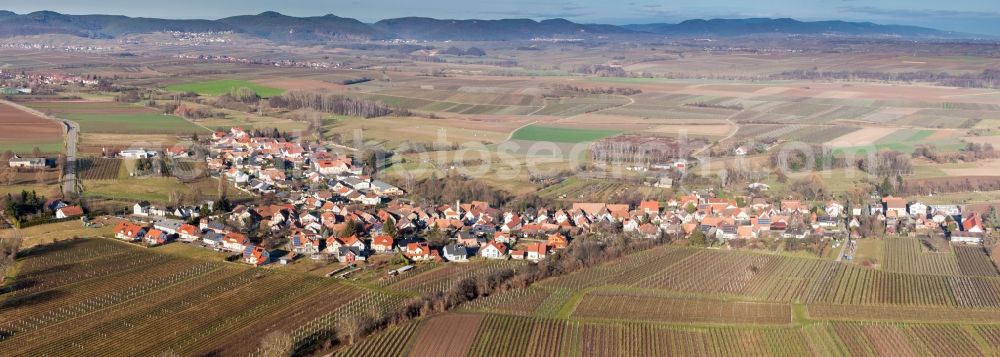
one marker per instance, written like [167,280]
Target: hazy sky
[978,16]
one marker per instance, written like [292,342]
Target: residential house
[189,233]
[494,250]
[798,233]
[557,241]
[236,242]
[536,252]
[972,224]
[304,242]
[948,210]
[169,226]
[333,244]
[69,212]
[155,237]
[141,208]
[417,251]
[456,253]
[918,209]
[382,243]
[129,231]
[212,239]
[895,206]
[256,255]
[350,254]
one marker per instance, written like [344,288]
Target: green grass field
[906,140]
[21,147]
[222,86]
[136,123]
[562,135]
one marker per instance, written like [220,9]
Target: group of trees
[244,95]
[810,187]
[715,106]
[806,157]
[949,184]
[601,70]
[886,163]
[351,81]
[453,188]
[471,51]
[10,244]
[598,90]
[641,150]
[971,152]
[26,206]
[330,103]
[190,112]
[989,78]
[128,96]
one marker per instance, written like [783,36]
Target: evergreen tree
[697,239]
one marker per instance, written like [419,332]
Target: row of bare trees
[330,103]
[989,78]
[598,90]
[886,163]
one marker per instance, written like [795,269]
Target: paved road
[72,138]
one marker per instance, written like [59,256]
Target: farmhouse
[28,163]
[137,154]
[69,211]
[967,237]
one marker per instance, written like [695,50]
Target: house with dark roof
[350,254]
[456,253]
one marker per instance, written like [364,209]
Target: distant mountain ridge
[282,28]
[424,28]
[786,26]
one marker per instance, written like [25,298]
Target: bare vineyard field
[102,295]
[905,255]
[443,278]
[447,335]
[98,168]
[514,301]
[628,270]
[637,307]
[393,342]
[974,261]
[901,314]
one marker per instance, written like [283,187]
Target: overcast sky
[974,16]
